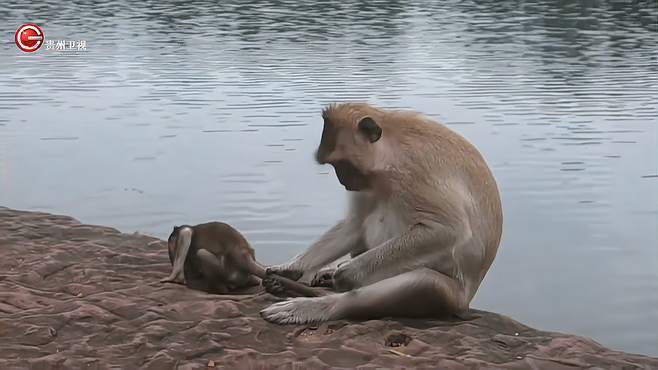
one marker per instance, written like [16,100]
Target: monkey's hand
[345,277]
[285,271]
[324,279]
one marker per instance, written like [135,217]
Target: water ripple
[212,111]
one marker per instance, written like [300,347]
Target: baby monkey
[216,257]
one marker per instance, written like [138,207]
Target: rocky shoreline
[87,297]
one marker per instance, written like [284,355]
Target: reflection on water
[186,111]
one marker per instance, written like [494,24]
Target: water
[186,111]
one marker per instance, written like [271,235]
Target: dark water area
[187,111]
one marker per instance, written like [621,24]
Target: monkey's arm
[343,238]
[335,243]
[422,245]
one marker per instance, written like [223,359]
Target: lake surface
[186,111]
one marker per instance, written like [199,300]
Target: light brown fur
[425,207]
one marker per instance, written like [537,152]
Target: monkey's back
[445,154]
[205,236]
[486,215]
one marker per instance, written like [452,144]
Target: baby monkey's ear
[370,128]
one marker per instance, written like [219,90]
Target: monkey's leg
[419,293]
[183,241]
[272,285]
[253,280]
[212,269]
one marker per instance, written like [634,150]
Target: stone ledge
[87,297]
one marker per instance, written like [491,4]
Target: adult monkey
[423,228]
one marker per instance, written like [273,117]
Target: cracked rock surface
[87,297]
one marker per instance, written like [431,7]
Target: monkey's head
[349,142]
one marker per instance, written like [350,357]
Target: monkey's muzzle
[350,176]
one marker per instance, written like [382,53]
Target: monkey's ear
[370,129]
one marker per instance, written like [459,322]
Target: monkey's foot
[284,271]
[302,310]
[172,280]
